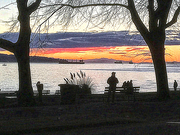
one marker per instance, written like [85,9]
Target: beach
[145,115]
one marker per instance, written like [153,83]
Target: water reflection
[52,74]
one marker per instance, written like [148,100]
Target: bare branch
[22,5]
[152,18]
[33,7]
[74,7]
[87,5]
[4,7]
[137,20]
[174,19]
[50,16]
[7,45]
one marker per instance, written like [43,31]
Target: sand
[93,116]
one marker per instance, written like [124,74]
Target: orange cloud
[126,53]
[119,53]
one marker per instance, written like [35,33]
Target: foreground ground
[93,116]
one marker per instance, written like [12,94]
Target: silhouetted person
[124,85]
[130,87]
[130,91]
[112,81]
[39,88]
[175,85]
[130,83]
[127,84]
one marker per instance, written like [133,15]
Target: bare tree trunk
[25,94]
[161,73]
[158,56]
[155,38]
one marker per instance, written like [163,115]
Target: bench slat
[57,92]
[8,92]
[121,89]
[44,92]
[172,89]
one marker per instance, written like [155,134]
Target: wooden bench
[122,90]
[172,89]
[14,93]
[8,93]
[44,92]
[57,92]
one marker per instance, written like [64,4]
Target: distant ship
[130,62]
[118,62]
[4,64]
[63,61]
[173,62]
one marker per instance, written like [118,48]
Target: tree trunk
[155,38]
[25,94]
[21,51]
[158,56]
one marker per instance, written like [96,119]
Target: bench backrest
[57,92]
[8,92]
[121,89]
[43,92]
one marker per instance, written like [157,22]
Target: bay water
[52,74]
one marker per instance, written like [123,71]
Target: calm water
[52,74]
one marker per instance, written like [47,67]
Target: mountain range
[37,59]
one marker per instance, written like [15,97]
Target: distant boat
[173,62]
[130,62]
[118,62]
[63,61]
[4,64]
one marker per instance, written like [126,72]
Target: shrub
[84,82]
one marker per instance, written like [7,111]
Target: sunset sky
[118,46]
[112,45]
[135,53]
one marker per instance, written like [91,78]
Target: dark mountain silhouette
[101,60]
[37,59]
[7,58]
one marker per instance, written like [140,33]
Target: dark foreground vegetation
[145,115]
